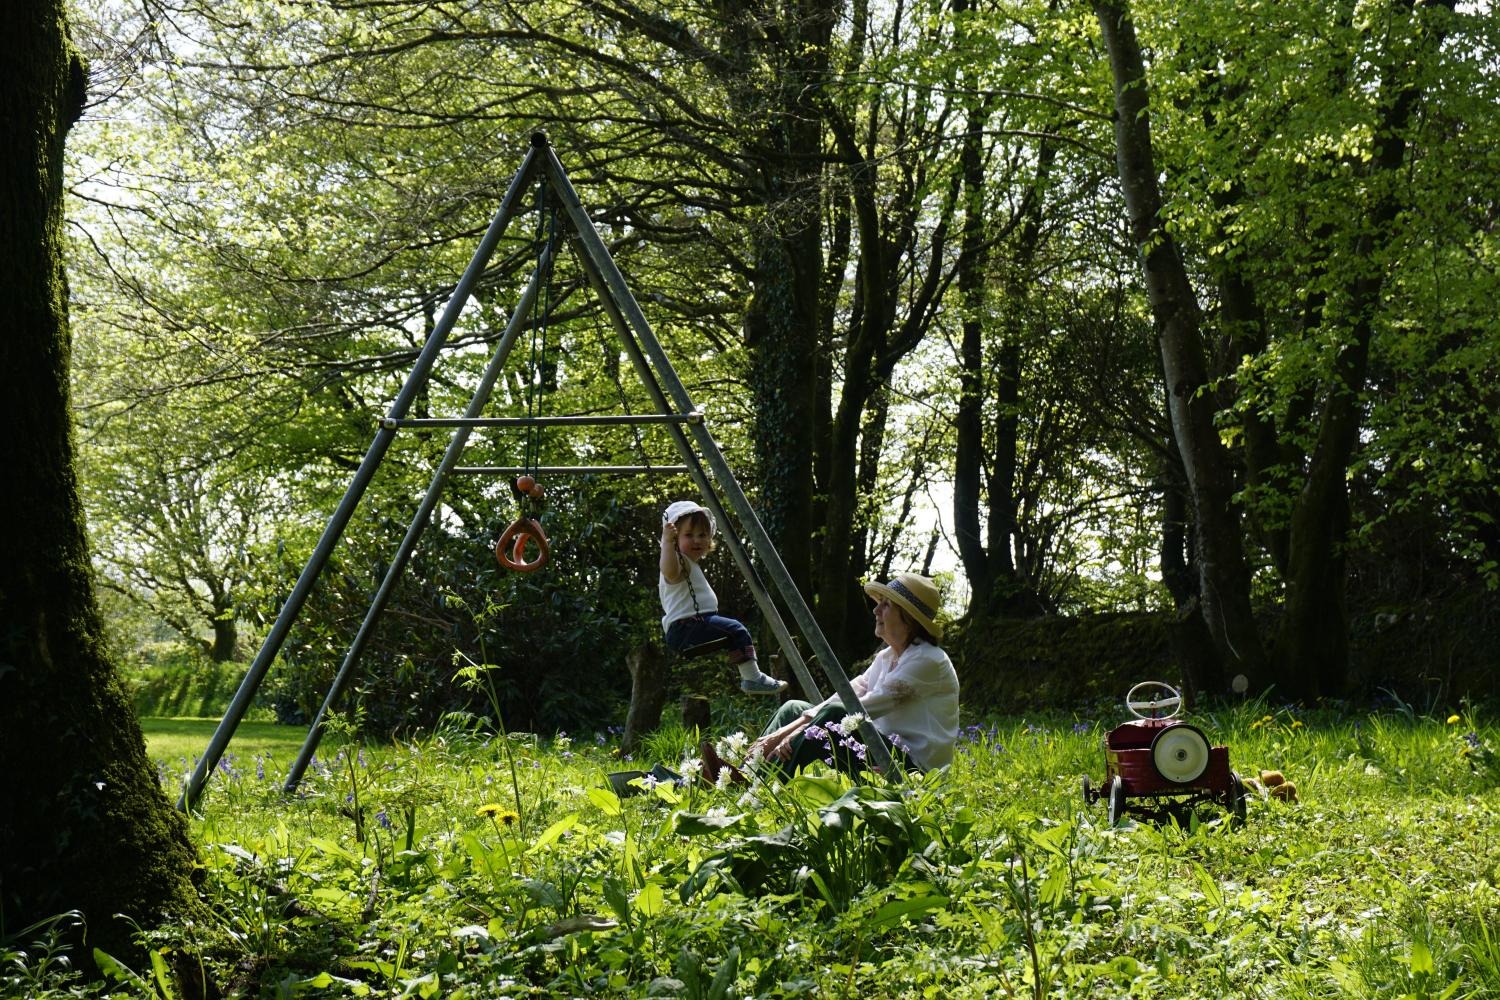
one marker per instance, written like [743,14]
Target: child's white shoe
[762,685]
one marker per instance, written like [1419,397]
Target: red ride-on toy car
[1158,758]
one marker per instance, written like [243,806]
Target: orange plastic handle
[510,550]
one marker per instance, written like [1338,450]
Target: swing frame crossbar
[569,470]
[675,410]
[603,419]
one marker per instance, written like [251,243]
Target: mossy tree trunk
[84,824]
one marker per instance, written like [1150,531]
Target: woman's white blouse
[912,700]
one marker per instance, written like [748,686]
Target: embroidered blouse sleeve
[916,675]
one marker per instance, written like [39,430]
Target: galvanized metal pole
[362,476]
[419,520]
[598,254]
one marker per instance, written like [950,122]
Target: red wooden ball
[535,491]
[525,484]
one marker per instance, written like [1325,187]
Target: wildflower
[1296,724]
[749,800]
[498,814]
[690,767]
[1453,720]
[815,732]
[383,819]
[852,721]
[733,745]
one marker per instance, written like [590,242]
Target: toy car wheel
[1236,800]
[1088,791]
[1116,801]
[1180,753]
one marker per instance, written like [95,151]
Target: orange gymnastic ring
[510,550]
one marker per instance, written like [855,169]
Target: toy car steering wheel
[1153,708]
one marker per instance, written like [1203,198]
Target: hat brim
[712,524]
[879,590]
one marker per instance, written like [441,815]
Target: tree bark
[783,320]
[226,639]
[1311,654]
[1224,578]
[84,823]
[648,692]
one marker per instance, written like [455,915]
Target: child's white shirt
[913,698]
[677,598]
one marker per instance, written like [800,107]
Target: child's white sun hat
[679,508]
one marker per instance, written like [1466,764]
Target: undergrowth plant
[475,863]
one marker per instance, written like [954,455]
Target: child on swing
[690,605]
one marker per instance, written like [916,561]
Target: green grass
[177,743]
[467,864]
[171,740]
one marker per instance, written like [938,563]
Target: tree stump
[648,692]
[695,712]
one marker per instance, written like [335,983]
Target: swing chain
[510,549]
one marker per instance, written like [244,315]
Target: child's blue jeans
[698,629]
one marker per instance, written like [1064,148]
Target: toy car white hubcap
[1180,754]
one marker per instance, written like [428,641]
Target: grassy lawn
[464,864]
[176,744]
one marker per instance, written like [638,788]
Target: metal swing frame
[675,410]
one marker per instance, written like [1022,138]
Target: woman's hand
[778,745]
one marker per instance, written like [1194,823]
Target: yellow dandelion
[1296,724]
[1453,720]
[489,809]
[509,817]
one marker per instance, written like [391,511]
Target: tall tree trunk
[1224,578]
[1192,646]
[226,637]
[83,821]
[982,564]
[1312,647]
[783,321]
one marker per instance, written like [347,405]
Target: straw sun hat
[916,595]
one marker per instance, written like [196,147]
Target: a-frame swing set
[684,423]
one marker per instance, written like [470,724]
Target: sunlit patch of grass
[468,862]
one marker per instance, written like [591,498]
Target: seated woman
[909,692]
